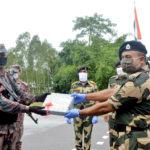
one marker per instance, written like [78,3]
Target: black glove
[41,98]
[38,110]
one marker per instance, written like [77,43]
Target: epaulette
[135,75]
[113,77]
[92,82]
[74,83]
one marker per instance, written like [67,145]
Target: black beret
[132,46]
[83,68]
[117,63]
[2,48]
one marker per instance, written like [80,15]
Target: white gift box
[57,103]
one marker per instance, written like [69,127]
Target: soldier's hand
[68,120]
[95,119]
[38,110]
[41,97]
[72,113]
[78,98]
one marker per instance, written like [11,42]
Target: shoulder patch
[92,82]
[74,82]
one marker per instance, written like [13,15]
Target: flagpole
[134,20]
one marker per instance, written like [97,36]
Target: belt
[122,128]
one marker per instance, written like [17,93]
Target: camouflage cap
[132,46]
[83,68]
[15,68]
[2,48]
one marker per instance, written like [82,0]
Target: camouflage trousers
[6,142]
[19,131]
[7,137]
[134,140]
[83,126]
[113,135]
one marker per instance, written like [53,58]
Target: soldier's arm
[12,107]
[128,95]
[97,109]
[101,95]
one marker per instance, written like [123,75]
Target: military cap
[83,68]
[15,68]
[132,46]
[2,48]
[117,63]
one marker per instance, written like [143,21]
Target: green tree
[95,26]
[37,60]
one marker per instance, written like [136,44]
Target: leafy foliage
[44,69]
[37,61]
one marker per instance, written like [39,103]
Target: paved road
[53,133]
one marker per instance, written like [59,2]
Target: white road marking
[105,137]
[100,143]
[73,149]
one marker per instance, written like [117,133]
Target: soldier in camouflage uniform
[114,82]
[8,107]
[15,71]
[83,124]
[131,102]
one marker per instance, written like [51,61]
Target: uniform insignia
[128,46]
[76,89]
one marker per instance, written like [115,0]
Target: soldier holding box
[131,102]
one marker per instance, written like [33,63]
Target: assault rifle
[13,96]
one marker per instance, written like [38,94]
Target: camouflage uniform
[10,109]
[7,129]
[132,119]
[83,124]
[114,82]
[19,124]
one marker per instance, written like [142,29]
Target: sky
[52,19]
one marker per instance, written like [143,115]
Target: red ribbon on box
[48,105]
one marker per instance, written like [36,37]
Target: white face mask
[83,77]
[120,72]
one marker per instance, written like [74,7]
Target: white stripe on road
[100,143]
[105,137]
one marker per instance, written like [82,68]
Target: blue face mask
[15,75]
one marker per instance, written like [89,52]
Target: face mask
[83,77]
[15,75]
[127,65]
[3,61]
[120,72]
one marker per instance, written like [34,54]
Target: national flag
[137,33]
